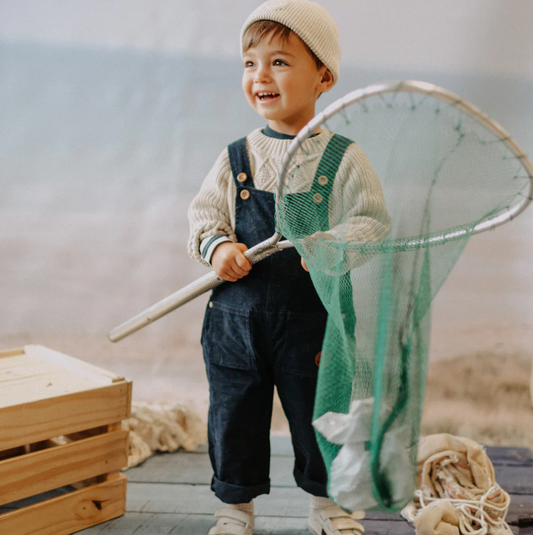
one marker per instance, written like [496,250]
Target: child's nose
[262,74]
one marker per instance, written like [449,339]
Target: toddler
[264,328]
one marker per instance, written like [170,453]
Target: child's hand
[309,243]
[229,262]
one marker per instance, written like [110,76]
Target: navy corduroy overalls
[265,329]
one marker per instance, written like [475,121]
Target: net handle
[196,288]
[448,97]
[273,244]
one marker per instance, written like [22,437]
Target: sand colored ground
[484,396]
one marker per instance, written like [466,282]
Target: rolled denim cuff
[229,493]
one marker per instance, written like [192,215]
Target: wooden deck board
[189,524]
[278,446]
[501,456]
[515,479]
[170,494]
[194,468]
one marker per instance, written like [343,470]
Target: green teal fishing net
[442,172]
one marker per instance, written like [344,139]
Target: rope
[480,512]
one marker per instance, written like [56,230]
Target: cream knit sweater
[356,208]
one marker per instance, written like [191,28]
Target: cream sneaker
[232,522]
[332,520]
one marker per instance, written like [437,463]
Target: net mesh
[441,170]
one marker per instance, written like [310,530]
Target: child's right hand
[229,262]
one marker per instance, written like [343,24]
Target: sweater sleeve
[210,213]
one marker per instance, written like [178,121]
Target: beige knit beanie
[311,22]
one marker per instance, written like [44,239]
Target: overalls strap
[331,160]
[315,202]
[320,193]
[325,174]
[240,164]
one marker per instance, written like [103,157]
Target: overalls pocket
[226,337]
[303,343]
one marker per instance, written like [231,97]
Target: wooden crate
[60,429]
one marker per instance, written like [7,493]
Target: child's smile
[282,82]
[265,96]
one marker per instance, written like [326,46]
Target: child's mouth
[266,96]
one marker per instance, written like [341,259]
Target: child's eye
[248,64]
[279,62]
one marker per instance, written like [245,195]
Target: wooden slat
[34,473]
[191,524]
[173,468]
[195,468]
[199,499]
[36,499]
[521,508]
[515,479]
[188,524]
[500,455]
[11,352]
[25,424]
[279,446]
[380,527]
[68,513]
[80,368]
[40,373]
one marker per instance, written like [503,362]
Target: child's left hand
[317,235]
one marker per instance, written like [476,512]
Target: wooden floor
[169,494]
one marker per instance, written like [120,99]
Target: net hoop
[413,86]
[273,244]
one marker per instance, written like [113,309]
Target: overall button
[323,180]
[317,198]
[245,194]
[210,304]
[241,177]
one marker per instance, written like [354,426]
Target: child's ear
[326,80]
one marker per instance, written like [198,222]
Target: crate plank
[80,368]
[48,418]
[31,500]
[11,352]
[48,469]
[69,513]
[41,373]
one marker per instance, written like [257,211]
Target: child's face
[288,74]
